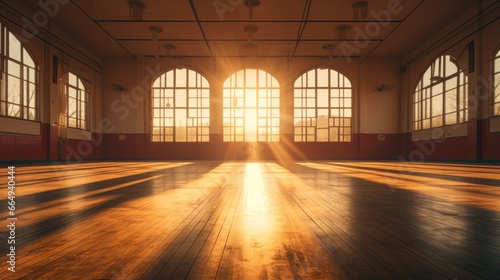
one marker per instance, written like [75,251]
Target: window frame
[338,127]
[27,99]
[438,92]
[164,119]
[81,99]
[239,108]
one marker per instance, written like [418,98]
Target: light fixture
[329,48]
[168,48]
[252,4]
[155,32]
[250,30]
[168,105]
[342,31]
[136,9]
[360,10]
[250,47]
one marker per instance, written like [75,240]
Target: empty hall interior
[250,139]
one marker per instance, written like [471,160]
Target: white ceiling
[299,28]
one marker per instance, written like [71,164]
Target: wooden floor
[255,220]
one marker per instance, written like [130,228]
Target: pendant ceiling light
[252,4]
[155,32]
[360,10]
[250,47]
[342,31]
[136,9]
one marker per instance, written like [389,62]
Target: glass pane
[451,101]
[437,121]
[323,77]
[14,68]
[311,78]
[251,78]
[322,98]
[192,78]
[437,105]
[27,60]
[347,82]
[451,83]
[497,87]
[451,118]
[72,80]
[180,98]
[180,77]
[14,90]
[334,79]
[250,98]
[451,67]
[72,107]
[14,47]
[426,79]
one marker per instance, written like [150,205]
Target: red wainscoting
[454,148]
[123,146]
[133,146]
[491,149]
[50,140]
[17,147]
[381,146]
[490,143]
[77,150]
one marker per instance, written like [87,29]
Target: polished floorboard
[254,220]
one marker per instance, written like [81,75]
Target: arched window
[496,79]
[322,107]
[77,102]
[18,80]
[181,107]
[441,95]
[251,113]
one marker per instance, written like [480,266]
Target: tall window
[18,79]
[322,107]
[441,95]
[77,98]
[251,101]
[496,79]
[181,107]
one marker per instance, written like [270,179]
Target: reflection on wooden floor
[255,220]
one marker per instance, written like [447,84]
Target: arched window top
[181,78]
[75,81]
[442,68]
[254,78]
[322,78]
[19,72]
[181,107]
